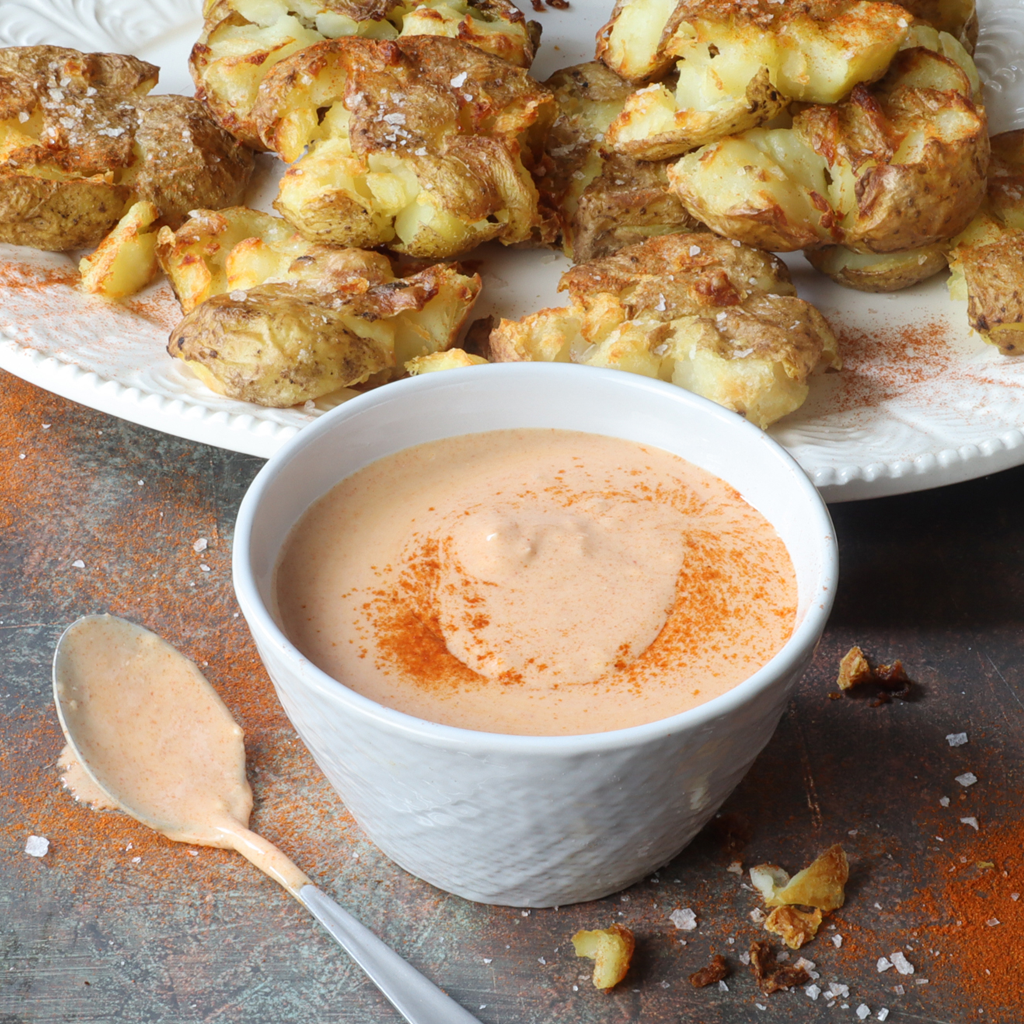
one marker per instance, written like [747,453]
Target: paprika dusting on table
[536,582]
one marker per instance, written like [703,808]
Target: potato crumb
[854,670]
[717,970]
[821,884]
[611,949]
[795,927]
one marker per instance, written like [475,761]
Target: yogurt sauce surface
[536,582]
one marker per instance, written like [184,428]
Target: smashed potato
[417,143]
[710,315]
[243,39]
[986,260]
[894,168]
[611,949]
[335,318]
[740,64]
[80,140]
[125,261]
[597,201]
[821,884]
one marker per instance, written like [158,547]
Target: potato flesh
[125,261]
[632,46]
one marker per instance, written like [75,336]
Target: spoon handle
[416,999]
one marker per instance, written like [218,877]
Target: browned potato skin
[994,274]
[628,203]
[276,347]
[72,200]
[893,272]
[676,275]
[68,190]
[188,161]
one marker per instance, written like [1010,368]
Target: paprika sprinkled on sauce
[536,582]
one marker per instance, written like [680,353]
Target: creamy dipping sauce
[155,740]
[536,582]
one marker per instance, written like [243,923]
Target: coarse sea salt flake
[813,991]
[956,739]
[973,822]
[967,779]
[459,80]
[899,990]
[863,1011]
[884,963]
[882,1013]
[36,846]
[722,987]
[238,295]
[78,563]
[684,919]
[204,567]
[200,545]
[735,868]
[836,990]
[901,963]
[992,922]
[694,250]
[837,941]
[943,801]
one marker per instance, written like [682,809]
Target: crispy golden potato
[593,201]
[873,272]
[712,316]
[417,143]
[125,261]
[452,359]
[796,927]
[740,64]
[987,258]
[243,39]
[217,251]
[611,949]
[334,319]
[79,139]
[821,884]
[895,168]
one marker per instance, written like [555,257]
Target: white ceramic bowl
[531,821]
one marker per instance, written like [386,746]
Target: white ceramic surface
[922,402]
[531,820]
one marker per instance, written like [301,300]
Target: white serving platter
[921,401]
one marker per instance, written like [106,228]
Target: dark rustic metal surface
[116,924]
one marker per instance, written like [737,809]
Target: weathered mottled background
[116,924]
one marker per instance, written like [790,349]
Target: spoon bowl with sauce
[148,735]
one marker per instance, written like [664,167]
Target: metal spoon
[151,733]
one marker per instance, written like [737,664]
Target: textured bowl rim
[474,741]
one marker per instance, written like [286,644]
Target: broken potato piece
[595,201]
[611,949]
[739,65]
[820,885]
[987,258]
[417,143]
[796,927]
[80,141]
[452,359]
[243,39]
[125,261]
[335,318]
[874,272]
[895,168]
[712,316]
